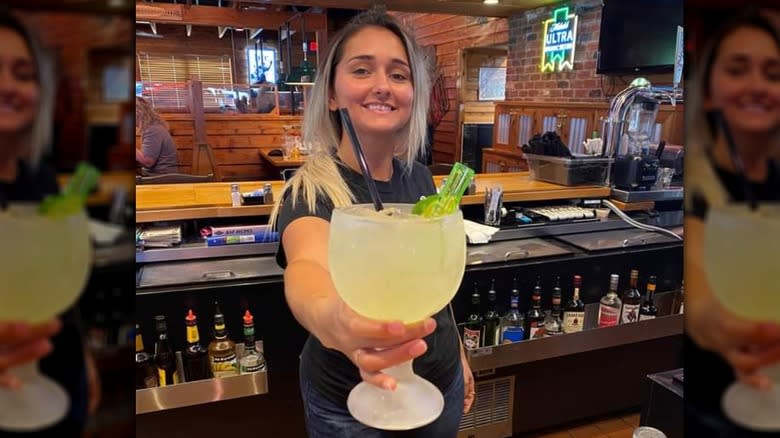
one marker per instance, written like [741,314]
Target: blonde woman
[26,105]
[376,71]
[738,75]
[158,152]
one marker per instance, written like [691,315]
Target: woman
[26,102]
[739,75]
[158,152]
[377,72]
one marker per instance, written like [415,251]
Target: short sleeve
[289,213]
[152,142]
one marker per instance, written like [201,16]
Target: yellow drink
[400,267]
[741,260]
[46,264]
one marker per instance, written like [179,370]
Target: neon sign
[560,35]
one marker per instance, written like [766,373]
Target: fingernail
[388,385]
[418,348]
[429,324]
[395,328]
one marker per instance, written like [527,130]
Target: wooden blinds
[164,79]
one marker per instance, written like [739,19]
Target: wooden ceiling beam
[216,16]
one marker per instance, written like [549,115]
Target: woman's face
[745,81]
[19,91]
[373,81]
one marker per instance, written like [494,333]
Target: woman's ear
[332,105]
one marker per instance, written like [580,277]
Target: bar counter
[161,202]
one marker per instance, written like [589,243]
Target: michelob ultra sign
[560,35]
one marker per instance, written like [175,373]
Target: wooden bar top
[162,202]
[279,161]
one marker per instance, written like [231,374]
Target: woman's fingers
[8,380]
[16,333]
[756,380]
[22,354]
[749,359]
[380,334]
[372,360]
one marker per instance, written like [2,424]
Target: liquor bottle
[196,357]
[512,329]
[491,321]
[472,330]
[574,314]
[648,309]
[534,318]
[145,374]
[222,350]
[610,304]
[552,322]
[164,359]
[251,360]
[632,299]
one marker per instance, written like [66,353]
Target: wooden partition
[236,140]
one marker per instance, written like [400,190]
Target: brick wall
[524,79]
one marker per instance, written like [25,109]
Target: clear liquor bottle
[610,304]
[574,313]
[491,321]
[632,299]
[648,309]
[534,318]
[512,329]
[552,322]
[473,336]
[251,360]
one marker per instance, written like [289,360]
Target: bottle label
[644,317]
[252,363]
[511,335]
[471,338]
[223,366]
[573,322]
[630,313]
[608,316]
[536,330]
[192,334]
[682,307]
[161,377]
[176,379]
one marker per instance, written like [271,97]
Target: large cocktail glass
[45,267]
[741,264]
[400,267]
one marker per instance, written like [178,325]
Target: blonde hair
[146,115]
[320,175]
[39,136]
[701,129]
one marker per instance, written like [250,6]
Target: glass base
[752,408]
[40,402]
[415,402]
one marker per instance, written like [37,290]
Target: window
[259,67]
[164,79]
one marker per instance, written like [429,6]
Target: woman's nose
[381,85]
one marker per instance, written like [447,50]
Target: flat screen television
[638,36]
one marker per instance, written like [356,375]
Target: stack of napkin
[478,233]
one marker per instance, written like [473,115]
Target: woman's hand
[746,345]
[375,345]
[21,343]
[469,390]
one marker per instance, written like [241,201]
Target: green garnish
[448,199]
[73,197]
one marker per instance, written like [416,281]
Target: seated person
[157,154]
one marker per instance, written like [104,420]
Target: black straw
[750,196]
[346,122]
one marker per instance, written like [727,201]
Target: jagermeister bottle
[196,358]
[222,350]
[164,359]
[251,360]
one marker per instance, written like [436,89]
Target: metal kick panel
[504,251]
[615,239]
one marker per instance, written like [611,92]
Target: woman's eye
[398,76]
[360,71]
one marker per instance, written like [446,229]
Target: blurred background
[92,45]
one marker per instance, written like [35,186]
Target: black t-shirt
[329,371]
[65,363]
[710,374]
